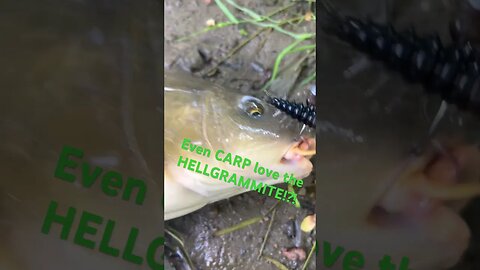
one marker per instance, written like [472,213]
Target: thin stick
[263,42]
[234,51]
[310,78]
[310,255]
[230,23]
[266,235]
[246,222]
[239,226]
[258,17]
[174,235]
[278,264]
[177,238]
[272,208]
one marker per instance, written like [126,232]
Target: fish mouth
[296,159]
[300,151]
[441,179]
[424,202]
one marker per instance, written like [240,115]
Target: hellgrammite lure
[451,71]
[303,113]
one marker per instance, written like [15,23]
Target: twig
[278,264]
[275,12]
[230,23]
[246,222]
[272,208]
[177,238]
[309,255]
[257,21]
[266,235]
[234,51]
[262,42]
[309,78]
[241,225]
[173,234]
[258,17]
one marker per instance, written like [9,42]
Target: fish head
[250,127]
[231,126]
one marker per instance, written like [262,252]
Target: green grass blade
[277,264]
[226,11]
[175,235]
[247,11]
[239,226]
[310,78]
[280,57]
[303,48]
[297,203]
[314,248]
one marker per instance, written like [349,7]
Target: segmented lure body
[451,71]
[303,113]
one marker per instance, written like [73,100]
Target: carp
[214,118]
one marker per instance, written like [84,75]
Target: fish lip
[438,222]
[303,149]
[297,160]
[428,204]
[443,228]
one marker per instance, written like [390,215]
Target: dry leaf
[308,223]
[308,16]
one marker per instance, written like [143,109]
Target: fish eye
[253,108]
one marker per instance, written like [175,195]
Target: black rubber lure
[303,113]
[452,71]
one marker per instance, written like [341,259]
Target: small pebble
[210,22]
